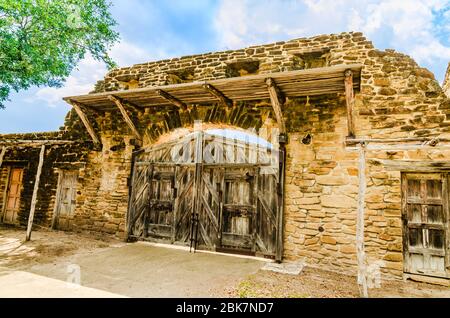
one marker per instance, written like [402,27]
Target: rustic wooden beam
[219,95]
[276,105]
[35,192]
[350,100]
[125,116]
[362,270]
[85,121]
[173,100]
[2,155]
[281,199]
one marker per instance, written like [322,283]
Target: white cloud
[89,71]
[408,26]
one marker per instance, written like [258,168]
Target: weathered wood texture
[317,81]
[226,185]
[35,193]
[425,212]
[362,270]
[125,116]
[85,121]
[276,104]
[350,100]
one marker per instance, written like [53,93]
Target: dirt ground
[139,270]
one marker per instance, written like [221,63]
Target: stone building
[360,138]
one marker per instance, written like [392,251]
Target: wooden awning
[309,82]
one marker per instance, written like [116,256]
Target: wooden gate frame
[279,227]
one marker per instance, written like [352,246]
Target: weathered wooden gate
[219,193]
[426,243]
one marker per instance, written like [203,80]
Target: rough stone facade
[446,84]
[398,99]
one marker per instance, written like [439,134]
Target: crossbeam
[85,121]
[219,95]
[350,100]
[119,104]
[173,100]
[276,104]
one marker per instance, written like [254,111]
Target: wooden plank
[350,100]
[276,105]
[85,121]
[413,165]
[2,155]
[362,271]
[253,87]
[219,95]
[57,199]
[35,192]
[125,116]
[173,100]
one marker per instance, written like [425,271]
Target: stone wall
[26,156]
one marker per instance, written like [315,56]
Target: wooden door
[425,219]
[66,203]
[239,209]
[184,183]
[13,195]
[159,219]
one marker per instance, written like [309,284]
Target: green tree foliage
[42,41]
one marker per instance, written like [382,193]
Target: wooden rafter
[350,100]
[219,95]
[173,100]
[276,104]
[85,120]
[125,116]
[35,192]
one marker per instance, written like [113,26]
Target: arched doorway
[212,189]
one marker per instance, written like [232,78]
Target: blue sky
[157,29]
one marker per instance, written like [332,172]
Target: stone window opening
[185,75]
[243,68]
[127,82]
[314,59]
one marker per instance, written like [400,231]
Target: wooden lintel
[219,95]
[350,100]
[173,100]
[85,120]
[276,104]
[125,116]
[35,192]
[2,155]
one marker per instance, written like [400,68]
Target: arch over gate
[208,191]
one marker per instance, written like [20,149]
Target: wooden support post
[85,121]
[125,116]
[276,105]
[362,270]
[2,155]
[173,100]
[219,95]
[350,100]
[280,215]
[35,192]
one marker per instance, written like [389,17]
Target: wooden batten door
[13,195]
[65,201]
[425,206]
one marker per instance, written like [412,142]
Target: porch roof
[309,82]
